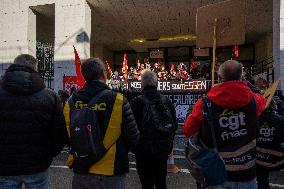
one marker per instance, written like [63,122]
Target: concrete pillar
[13,32]
[72,27]
[32,32]
[278,40]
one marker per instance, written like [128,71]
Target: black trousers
[152,171]
[262,177]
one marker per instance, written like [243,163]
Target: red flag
[124,64]
[80,79]
[172,67]
[236,51]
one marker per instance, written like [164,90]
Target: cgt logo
[266,131]
[233,121]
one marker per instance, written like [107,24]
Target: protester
[270,153]
[115,131]
[235,109]
[261,84]
[156,120]
[64,95]
[32,126]
[73,89]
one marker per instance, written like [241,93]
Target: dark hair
[92,69]
[27,61]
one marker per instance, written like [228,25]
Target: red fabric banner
[80,79]
[68,82]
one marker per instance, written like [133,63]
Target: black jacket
[129,136]
[138,105]
[32,127]
[270,140]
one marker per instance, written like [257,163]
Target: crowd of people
[101,126]
[179,72]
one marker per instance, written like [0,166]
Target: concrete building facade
[65,23]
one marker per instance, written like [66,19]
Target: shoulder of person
[117,96]
[49,93]
[137,99]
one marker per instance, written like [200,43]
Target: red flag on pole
[80,79]
[236,51]
[124,64]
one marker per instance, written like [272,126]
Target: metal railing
[45,57]
[266,67]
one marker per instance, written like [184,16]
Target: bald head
[230,70]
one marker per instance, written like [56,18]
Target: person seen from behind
[270,145]
[32,126]
[235,109]
[156,120]
[102,130]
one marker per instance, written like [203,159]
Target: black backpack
[86,135]
[158,128]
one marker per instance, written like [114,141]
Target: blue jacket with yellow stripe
[118,124]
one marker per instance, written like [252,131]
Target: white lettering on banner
[170,85]
[164,86]
[135,85]
[184,99]
[194,85]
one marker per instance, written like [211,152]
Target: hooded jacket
[235,109]
[137,105]
[31,123]
[116,121]
[231,95]
[270,140]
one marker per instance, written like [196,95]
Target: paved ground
[60,175]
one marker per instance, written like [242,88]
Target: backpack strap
[207,112]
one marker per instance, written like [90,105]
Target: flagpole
[214,51]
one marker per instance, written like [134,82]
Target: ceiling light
[141,40]
[178,38]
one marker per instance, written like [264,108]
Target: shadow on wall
[66,40]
